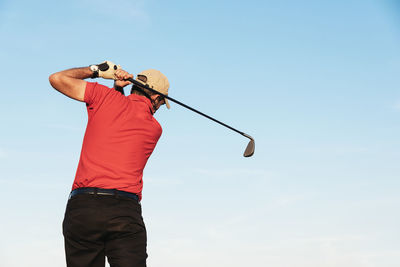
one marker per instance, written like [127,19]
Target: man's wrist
[95,71]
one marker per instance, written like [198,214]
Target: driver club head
[249,149]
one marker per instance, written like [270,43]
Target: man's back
[120,136]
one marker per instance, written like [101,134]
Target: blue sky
[314,82]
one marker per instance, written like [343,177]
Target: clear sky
[316,83]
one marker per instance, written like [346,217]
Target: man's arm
[71,82]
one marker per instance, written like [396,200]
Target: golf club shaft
[186,106]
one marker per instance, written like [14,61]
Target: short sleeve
[95,93]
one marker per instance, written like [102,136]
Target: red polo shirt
[120,136]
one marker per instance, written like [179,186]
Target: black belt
[103,192]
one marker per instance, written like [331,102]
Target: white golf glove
[105,70]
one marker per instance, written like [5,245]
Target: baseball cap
[157,81]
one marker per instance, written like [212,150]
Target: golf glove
[105,70]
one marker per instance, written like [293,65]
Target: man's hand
[121,77]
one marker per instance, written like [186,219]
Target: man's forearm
[71,82]
[77,73]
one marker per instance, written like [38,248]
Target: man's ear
[154,97]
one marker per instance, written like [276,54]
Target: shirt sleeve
[101,99]
[95,93]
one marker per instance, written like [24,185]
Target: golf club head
[250,148]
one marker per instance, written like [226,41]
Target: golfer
[103,216]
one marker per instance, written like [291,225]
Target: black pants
[96,226]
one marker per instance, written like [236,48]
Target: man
[103,215]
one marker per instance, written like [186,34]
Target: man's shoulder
[95,89]
[96,85]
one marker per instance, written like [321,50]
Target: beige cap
[157,81]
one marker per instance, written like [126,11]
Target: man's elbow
[54,80]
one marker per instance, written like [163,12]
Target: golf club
[250,147]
